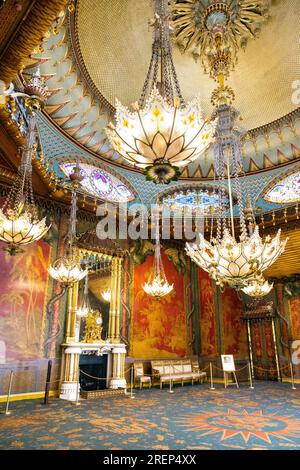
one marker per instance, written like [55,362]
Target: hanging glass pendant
[85,305]
[68,269]
[157,285]
[20,224]
[106,295]
[162,133]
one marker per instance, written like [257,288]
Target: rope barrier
[237,370]
[270,370]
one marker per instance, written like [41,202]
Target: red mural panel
[159,326]
[23,291]
[234,329]
[256,339]
[270,350]
[294,306]
[207,315]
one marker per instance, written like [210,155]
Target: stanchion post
[250,376]
[170,387]
[131,382]
[48,379]
[292,377]
[8,393]
[211,377]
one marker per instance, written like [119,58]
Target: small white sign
[228,363]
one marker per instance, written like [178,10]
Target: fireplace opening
[92,366]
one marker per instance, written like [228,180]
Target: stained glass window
[207,200]
[99,183]
[285,191]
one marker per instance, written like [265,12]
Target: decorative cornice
[288,119]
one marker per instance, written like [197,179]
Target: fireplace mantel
[70,365]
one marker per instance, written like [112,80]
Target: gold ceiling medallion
[215,31]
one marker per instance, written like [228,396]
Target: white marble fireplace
[70,366]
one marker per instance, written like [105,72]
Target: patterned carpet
[267,417]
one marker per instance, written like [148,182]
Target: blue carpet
[267,417]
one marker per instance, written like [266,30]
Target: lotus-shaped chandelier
[20,224]
[259,287]
[68,269]
[229,260]
[237,263]
[161,134]
[157,285]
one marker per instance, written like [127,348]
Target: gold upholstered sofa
[176,371]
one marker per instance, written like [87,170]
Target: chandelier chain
[161,57]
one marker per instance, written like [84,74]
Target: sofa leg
[160,385]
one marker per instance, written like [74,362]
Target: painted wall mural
[207,315]
[294,308]
[234,330]
[158,327]
[23,292]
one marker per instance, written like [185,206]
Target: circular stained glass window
[101,182]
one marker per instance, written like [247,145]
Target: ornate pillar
[71,313]
[115,302]
[118,372]
[69,384]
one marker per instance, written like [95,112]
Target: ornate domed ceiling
[114,40]
[102,51]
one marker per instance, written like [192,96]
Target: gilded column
[69,385]
[115,303]
[118,380]
[112,307]
[118,300]
[74,311]
[68,338]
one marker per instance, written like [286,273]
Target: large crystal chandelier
[20,224]
[157,285]
[237,261]
[228,260]
[162,133]
[68,269]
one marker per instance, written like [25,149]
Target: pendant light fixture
[68,269]
[157,285]
[161,134]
